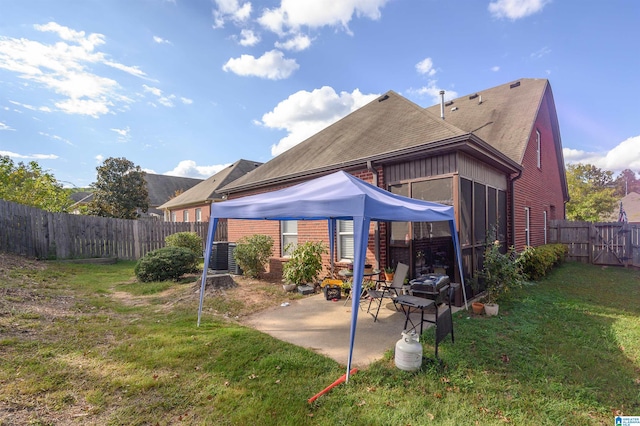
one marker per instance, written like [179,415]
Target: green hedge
[536,262]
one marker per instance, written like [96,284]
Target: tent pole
[207,254]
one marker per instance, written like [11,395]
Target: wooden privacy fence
[32,232]
[600,243]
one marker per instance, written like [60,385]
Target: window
[185,215]
[527,223]
[167,216]
[538,148]
[198,215]
[545,227]
[174,217]
[289,229]
[345,239]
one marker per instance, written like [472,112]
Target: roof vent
[516,84]
[384,98]
[475,95]
[448,103]
[454,109]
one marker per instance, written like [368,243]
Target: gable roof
[386,125]
[503,116]
[162,187]
[207,190]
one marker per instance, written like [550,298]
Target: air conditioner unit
[234,268]
[219,259]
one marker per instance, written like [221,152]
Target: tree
[591,192]
[626,182]
[120,190]
[28,184]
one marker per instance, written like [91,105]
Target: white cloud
[124,135]
[432,90]
[305,113]
[625,155]
[165,100]
[189,168]
[230,10]
[495,68]
[63,68]
[294,14]
[5,126]
[426,67]
[99,158]
[540,53]
[29,156]
[56,138]
[160,40]
[298,43]
[516,9]
[272,65]
[248,38]
[186,101]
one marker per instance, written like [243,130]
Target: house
[495,155]
[631,207]
[193,204]
[161,188]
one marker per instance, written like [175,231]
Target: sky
[187,87]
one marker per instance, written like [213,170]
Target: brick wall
[539,189]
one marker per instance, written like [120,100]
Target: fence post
[136,240]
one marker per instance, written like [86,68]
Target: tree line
[120,189]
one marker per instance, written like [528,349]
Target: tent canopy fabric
[338,196]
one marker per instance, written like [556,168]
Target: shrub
[188,240]
[536,262]
[168,263]
[252,253]
[305,262]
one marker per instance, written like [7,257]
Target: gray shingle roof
[207,190]
[502,116]
[390,123]
[162,187]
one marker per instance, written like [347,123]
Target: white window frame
[174,216]
[198,215]
[538,149]
[342,248]
[527,225]
[185,216]
[288,235]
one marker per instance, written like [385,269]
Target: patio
[323,326]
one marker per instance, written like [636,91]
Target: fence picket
[32,232]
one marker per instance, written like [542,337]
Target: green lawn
[85,344]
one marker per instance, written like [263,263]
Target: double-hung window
[289,231]
[345,239]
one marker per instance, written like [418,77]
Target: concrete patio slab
[324,326]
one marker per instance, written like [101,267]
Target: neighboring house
[161,189]
[193,205]
[495,155]
[631,206]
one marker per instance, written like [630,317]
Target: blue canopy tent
[338,196]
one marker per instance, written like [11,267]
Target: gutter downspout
[374,172]
[513,207]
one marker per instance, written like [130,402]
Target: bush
[188,240]
[501,272]
[168,263]
[305,262]
[252,253]
[536,262]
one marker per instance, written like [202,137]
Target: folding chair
[388,291]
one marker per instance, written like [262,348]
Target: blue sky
[186,87]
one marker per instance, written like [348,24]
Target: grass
[86,344]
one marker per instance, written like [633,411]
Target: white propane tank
[408,352]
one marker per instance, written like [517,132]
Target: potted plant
[388,273]
[500,272]
[304,264]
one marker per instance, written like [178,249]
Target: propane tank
[408,352]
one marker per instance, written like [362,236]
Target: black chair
[385,291]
